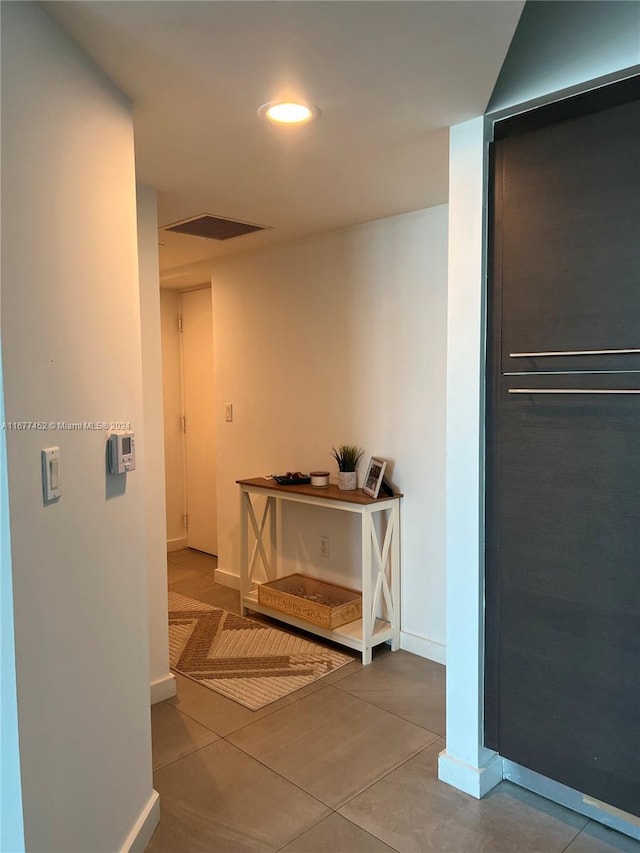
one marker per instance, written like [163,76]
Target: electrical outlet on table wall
[324,546]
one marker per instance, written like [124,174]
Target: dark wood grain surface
[570,257]
[562,649]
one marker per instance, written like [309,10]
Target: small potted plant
[347,456]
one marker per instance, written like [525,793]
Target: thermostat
[122,452]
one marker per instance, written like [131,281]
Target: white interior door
[173,404]
[199,410]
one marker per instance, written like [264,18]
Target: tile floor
[346,765]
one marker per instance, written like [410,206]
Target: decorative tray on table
[291,478]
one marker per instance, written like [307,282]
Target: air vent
[212,227]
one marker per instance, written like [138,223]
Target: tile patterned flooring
[346,765]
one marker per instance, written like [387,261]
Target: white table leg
[244,549]
[395,576]
[367,617]
[274,535]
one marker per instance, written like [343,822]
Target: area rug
[244,660]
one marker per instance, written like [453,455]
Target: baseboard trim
[176,544]
[570,798]
[142,830]
[476,781]
[423,647]
[227,579]
[163,688]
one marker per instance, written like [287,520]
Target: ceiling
[389,78]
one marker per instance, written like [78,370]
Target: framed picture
[373,477]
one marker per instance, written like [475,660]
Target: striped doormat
[247,661]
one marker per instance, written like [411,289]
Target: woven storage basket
[322,603]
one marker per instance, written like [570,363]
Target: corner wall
[163,683]
[72,353]
[341,339]
[465,763]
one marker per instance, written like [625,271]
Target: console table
[380,569]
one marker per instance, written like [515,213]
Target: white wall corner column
[466,763]
[141,832]
[163,683]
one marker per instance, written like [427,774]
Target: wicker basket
[322,603]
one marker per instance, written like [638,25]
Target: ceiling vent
[212,227]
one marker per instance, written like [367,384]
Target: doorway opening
[189,417]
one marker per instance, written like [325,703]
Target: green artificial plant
[347,456]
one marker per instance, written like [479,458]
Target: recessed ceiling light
[287,112]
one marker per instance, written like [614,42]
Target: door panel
[562,561]
[570,253]
[199,407]
[569,542]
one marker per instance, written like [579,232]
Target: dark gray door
[568,197]
[563,469]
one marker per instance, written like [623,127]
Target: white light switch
[51,474]
[228,412]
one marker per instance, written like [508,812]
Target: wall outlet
[324,546]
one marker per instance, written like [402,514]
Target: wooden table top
[331,492]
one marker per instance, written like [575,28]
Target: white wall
[170,301]
[341,339]
[162,681]
[71,351]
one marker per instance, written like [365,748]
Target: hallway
[346,765]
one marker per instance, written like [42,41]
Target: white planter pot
[347,480]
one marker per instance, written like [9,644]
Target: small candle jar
[320,479]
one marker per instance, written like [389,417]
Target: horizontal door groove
[573,390]
[566,372]
[573,352]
